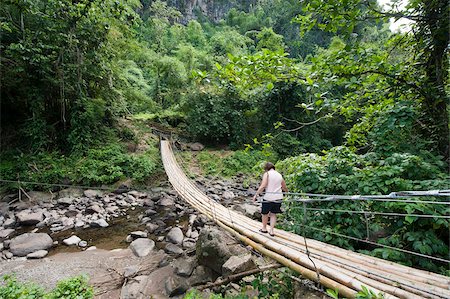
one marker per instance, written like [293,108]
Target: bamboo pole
[196,198]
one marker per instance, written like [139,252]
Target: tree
[424,73]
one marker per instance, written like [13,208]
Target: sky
[402,24]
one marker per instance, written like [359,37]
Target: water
[113,236]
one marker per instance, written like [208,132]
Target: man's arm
[261,187]
[283,186]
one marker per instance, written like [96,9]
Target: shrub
[341,171]
[72,288]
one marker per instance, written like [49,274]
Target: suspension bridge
[333,267]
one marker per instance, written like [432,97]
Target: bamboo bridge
[333,267]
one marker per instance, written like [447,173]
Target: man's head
[269,166]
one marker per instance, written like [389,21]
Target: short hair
[269,166]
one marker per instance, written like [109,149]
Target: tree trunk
[436,26]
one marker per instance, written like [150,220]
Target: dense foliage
[72,288]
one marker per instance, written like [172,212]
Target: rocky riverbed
[133,244]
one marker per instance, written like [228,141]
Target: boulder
[30,242]
[94,209]
[175,286]
[201,275]
[237,264]
[138,234]
[29,218]
[175,235]
[70,192]
[196,146]
[150,212]
[189,243]
[184,266]
[173,249]
[39,196]
[5,233]
[83,244]
[151,227]
[99,223]
[166,202]
[215,247]
[250,210]
[228,195]
[9,223]
[130,271]
[93,193]
[142,247]
[65,201]
[73,240]
[135,288]
[37,254]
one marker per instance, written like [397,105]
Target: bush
[103,165]
[341,171]
[228,164]
[72,288]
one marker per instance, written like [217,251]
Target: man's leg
[273,220]
[265,219]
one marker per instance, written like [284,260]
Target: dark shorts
[272,207]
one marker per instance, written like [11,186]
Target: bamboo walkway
[331,266]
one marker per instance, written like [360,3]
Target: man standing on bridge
[274,184]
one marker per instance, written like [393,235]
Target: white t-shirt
[273,188]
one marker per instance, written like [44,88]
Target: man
[274,184]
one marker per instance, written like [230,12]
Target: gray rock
[93,193]
[173,249]
[94,209]
[30,242]
[149,203]
[99,223]
[196,146]
[83,244]
[79,223]
[5,233]
[37,254]
[135,288]
[228,195]
[175,286]
[65,201]
[8,254]
[184,266]
[194,234]
[215,197]
[70,192]
[175,236]
[139,234]
[9,223]
[201,275]
[237,264]
[189,243]
[151,227]
[142,247]
[130,271]
[40,196]
[71,213]
[6,244]
[166,202]
[129,239]
[150,212]
[73,240]
[250,210]
[29,218]
[215,247]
